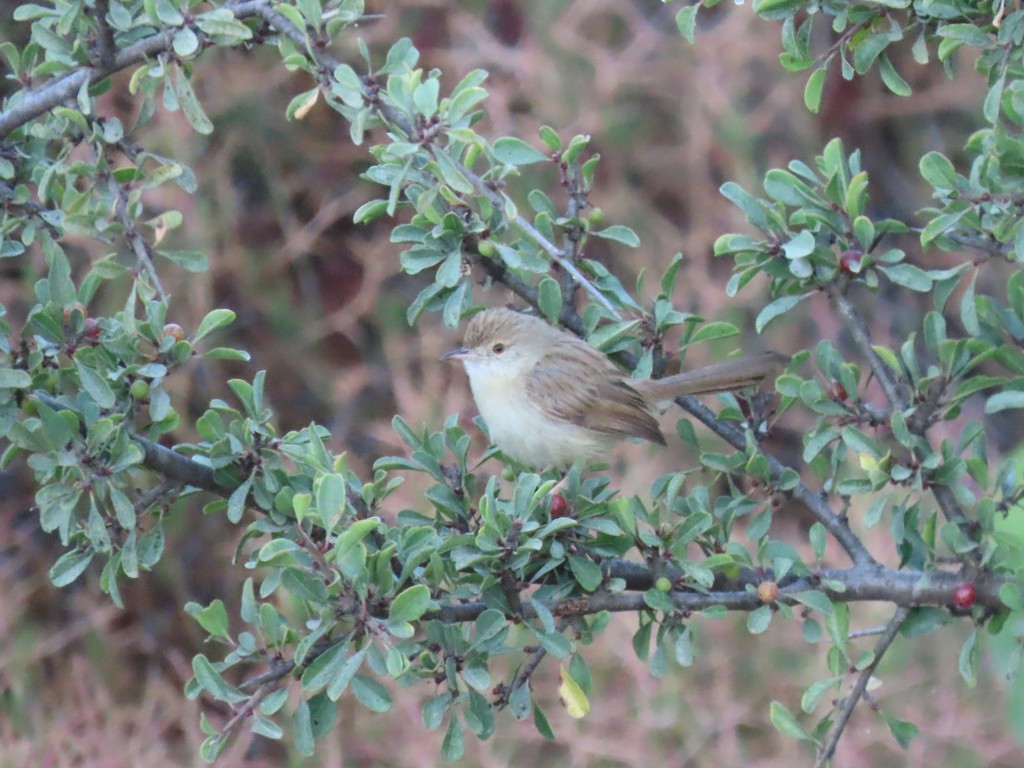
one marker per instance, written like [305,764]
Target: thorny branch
[847,706]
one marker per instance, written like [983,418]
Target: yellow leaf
[310,102]
[573,698]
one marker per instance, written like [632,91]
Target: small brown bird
[549,398]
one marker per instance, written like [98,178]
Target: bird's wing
[602,401]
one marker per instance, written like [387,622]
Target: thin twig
[895,390]
[107,48]
[522,677]
[869,632]
[141,249]
[154,494]
[245,711]
[282,668]
[577,201]
[314,551]
[985,245]
[526,671]
[846,708]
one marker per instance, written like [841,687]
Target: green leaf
[433,711]
[370,211]
[901,730]
[95,385]
[969,306]
[402,56]
[619,234]
[812,696]
[190,105]
[759,619]
[540,720]
[712,331]
[800,245]
[586,572]
[994,97]
[814,600]
[218,318]
[14,378]
[512,151]
[371,694]
[210,680]
[909,276]
[213,618]
[410,605]
[325,668]
[747,203]
[686,22]
[424,97]
[778,307]
[302,730]
[454,744]
[869,48]
[818,539]
[786,724]
[193,261]
[344,675]
[70,566]
[550,138]
[62,289]
[226,353]
[1002,401]
[455,304]
[969,655]
[776,9]
[892,78]
[331,496]
[185,42]
[938,171]
[237,501]
[451,173]
[924,620]
[549,299]
[940,225]
[462,102]
[814,88]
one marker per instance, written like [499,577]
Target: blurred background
[321,306]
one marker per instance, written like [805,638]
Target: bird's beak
[455,353]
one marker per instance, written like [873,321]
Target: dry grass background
[321,305]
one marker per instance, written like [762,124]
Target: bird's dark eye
[498,348]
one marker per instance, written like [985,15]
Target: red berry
[91,329]
[850,261]
[964,595]
[559,506]
[837,391]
